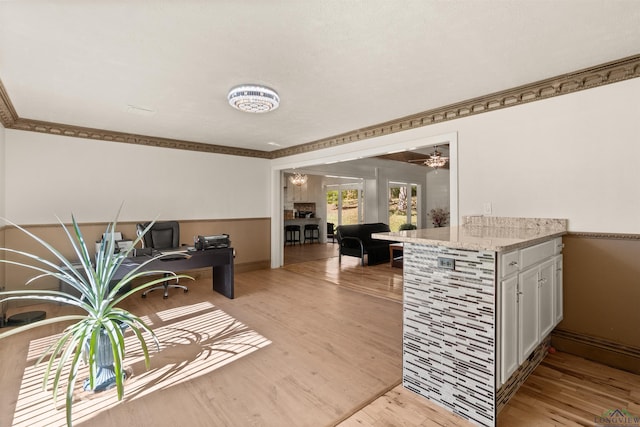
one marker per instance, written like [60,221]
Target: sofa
[355,240]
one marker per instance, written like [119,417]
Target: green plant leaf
[79,341]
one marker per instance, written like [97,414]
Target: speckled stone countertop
[481,233]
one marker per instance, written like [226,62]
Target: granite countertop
[488,234]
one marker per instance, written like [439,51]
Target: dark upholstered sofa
[355,240]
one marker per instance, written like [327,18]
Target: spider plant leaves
[100,295]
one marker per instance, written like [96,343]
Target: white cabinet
[509,330]
[530,301]
[546,298]
[527,313]
[558,301]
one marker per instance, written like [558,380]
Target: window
[404,204]
[345,204]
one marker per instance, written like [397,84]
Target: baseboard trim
[519,377]
[601,350]
[252,266]
[607,236]
[206,273]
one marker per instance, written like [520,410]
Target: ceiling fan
[435,160]
[418,157]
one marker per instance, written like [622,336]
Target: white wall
[537,159]
[574,156]
[437,193]
[372,212]
[50,175]
[540,159]
[2,171]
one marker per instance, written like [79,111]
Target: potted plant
[407,226]
[439,217]
[97,336]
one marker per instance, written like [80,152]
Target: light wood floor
[309,252]
[321,261]
[290,350]
[312,344]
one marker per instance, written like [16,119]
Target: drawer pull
[513,263]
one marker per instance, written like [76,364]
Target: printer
[212,242]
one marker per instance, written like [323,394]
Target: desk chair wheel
[165,287]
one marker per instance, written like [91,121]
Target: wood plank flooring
[312,344]
[290,350]
[380,280]
[309,252]
[565,390]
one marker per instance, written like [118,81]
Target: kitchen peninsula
[480,301]
[301,215]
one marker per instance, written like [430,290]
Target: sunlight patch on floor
[194,341]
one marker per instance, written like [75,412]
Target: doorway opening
[354,160]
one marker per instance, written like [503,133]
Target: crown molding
[588,78]
[8,115]
[128,138]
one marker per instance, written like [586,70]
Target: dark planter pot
[105,375]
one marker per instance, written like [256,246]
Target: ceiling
[418,156]
[337,65]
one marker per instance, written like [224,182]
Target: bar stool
[291,234]
[311,232]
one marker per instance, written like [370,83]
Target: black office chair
[162,235]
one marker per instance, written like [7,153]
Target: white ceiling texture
[337,65]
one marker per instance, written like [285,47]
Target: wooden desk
[396,251]
[220,260]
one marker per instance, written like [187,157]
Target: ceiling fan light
[436,160]
[253,98]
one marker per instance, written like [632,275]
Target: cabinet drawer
[535,254]
[509,263]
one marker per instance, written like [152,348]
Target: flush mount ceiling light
[298,179]
[253,98]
